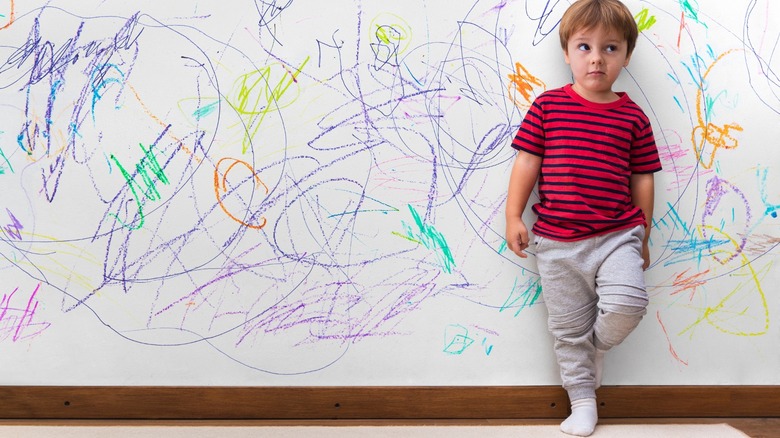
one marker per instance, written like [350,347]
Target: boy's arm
[522,179]
[643,196]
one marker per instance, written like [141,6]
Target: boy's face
[596,57]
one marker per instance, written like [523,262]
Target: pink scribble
[18,323]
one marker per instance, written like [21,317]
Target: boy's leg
[621,288]
[570,272]
[568,289]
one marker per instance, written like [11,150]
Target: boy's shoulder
[551,97]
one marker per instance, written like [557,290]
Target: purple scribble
[19,323]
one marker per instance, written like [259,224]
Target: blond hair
[591,14]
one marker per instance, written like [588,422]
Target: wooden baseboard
[297,403]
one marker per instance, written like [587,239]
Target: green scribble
[525,299]
[432,239]
[396,233]
[258,95]
[150,171]
[644,20]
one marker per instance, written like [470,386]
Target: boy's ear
[566,56]
[628,59]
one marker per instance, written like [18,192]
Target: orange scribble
[522,82]
[682,283]
[11,15]
[149,113]
[719,137]
[669,340]
[221,187]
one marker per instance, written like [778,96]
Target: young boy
[594,154]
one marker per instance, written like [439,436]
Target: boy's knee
[619,315]
[624,300]
[573,327]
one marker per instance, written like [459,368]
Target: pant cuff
[581,391]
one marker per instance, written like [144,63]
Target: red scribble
[668,340]
[682,25]
[17,323]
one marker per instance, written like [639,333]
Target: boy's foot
[583,418]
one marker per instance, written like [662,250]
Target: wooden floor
[753,427]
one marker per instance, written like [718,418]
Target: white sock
[583,418]
[599,365]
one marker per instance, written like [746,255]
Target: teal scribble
[678,221]
[429,237]
[205,110]
[679,105]
[696,71]
[7,162]
[770,209]
[691,10]
[488,347]
[387,207]
[711,52]
[456,339]
[528,294]
[694,249]
[98,87]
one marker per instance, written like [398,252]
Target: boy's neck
[602,97]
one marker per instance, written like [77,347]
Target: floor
[753,427]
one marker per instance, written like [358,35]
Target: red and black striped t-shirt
[589,151]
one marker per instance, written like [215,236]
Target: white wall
[313,192]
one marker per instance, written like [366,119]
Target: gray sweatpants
[595,294]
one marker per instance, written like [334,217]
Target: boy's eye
[583,46]
[611,48]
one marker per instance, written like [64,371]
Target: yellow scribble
[260,92]
[733,311]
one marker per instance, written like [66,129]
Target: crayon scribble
[18,319]
[188,177]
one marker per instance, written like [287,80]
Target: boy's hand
[645,255]
[517,237]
